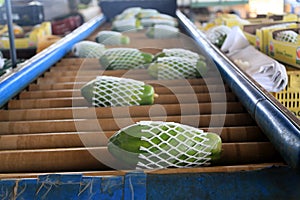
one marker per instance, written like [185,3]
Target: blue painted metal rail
[37,65]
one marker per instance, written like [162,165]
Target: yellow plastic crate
[30,41]
[290,97]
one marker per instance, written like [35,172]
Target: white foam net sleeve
[124,25]
[88,49]
[109,37]
[287,36]
[181,53]
[114,91]
[173,145]
[165,31]
[124,58]
[146,22]
[176,68]
[215,33]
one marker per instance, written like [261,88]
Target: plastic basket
[290,97]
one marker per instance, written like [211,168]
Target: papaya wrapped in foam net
[157,144]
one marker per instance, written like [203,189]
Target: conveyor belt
[49,127]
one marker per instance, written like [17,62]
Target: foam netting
[88,49]
[165,31]
[124,58]
[174,67]
[123,25]
[173,145]
[178,52]
[115,91]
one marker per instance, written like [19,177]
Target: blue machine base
[268,183]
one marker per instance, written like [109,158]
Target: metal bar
[13,53]
[42,61]
[282,131]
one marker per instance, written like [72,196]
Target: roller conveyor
[40,114]
[49,128]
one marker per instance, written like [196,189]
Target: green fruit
[99,92]
[177,68]
[125,58]
[111,38]
[169,143]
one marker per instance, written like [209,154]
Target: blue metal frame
[267,183]
[38,64]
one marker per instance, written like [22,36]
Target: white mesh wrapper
[287,36]
[214,34]
[150,22]
[181,53]
[104,36]
[114,91]
[88,49]
[176,68]
[125,25]
[129,13]
[124,58]
[165,31]
[173,145]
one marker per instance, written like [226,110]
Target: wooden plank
[81,102]
[252,152]
[54,140]
[94,139]
[46,80]
[76,61]
[166,83]
[50,160]
[133,74]
[130,111]
[55,72]
[158,89]
[80,66]
[109,124]
[82,159]
[230,168]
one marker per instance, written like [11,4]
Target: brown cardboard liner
[78,85]
[110,112]
[108,124]
[80,101]
[24,141]
[46,80]
[76,159]
[158,89]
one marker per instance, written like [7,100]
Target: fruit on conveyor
[156,144]
[109,91]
